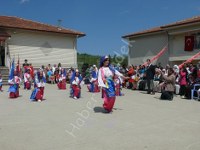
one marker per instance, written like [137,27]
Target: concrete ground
[138,122]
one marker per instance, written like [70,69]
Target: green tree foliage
[85,60]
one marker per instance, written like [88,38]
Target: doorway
[2,53]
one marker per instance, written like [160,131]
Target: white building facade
[39,43]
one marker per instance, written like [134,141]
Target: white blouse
[107,73]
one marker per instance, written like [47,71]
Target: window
[197,41]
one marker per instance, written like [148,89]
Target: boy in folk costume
[105,80]
[27,80]
[38,92]
[75,85]
[93,86]
[62,80]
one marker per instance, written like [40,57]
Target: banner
[157,56]
[190,59]
[18,67]
[12,68]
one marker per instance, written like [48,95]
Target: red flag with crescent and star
[189,43]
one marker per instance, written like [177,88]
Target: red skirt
[108,101]
[76,91]
[40,94]
[14,95]
[62,85]
[28,85]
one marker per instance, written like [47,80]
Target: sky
[103,21]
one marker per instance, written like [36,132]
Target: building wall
[41,48]
[145,47]
[177,45]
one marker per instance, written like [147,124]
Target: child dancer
[93,86]
[62,80]
[105,80]
[38,92]
[75,85]
[14,86]
[27,80]
[118,86]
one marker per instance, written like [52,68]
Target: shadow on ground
[100,110]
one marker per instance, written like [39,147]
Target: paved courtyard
[138,122]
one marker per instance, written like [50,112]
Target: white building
[175,36]
[39,43]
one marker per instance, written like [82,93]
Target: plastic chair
[195,90]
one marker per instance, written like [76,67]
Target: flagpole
[189,60]
[165,48]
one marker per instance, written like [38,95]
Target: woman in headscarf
[176,73]
[106,81]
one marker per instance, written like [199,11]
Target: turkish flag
[189,43]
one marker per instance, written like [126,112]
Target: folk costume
[118,86]
[62,80]
[75,87]
[14,82]
[38,92]
[93,86]
[27,80]
[106,81]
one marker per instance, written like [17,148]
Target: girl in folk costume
[93,86]
[75,85]
[14,86]
[105,80]
[62,80]
[38,92]
[27,80]
[1,83]
[118,85]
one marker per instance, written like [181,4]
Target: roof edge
[61,30]
[79,35]
[145,32]
[189,21]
